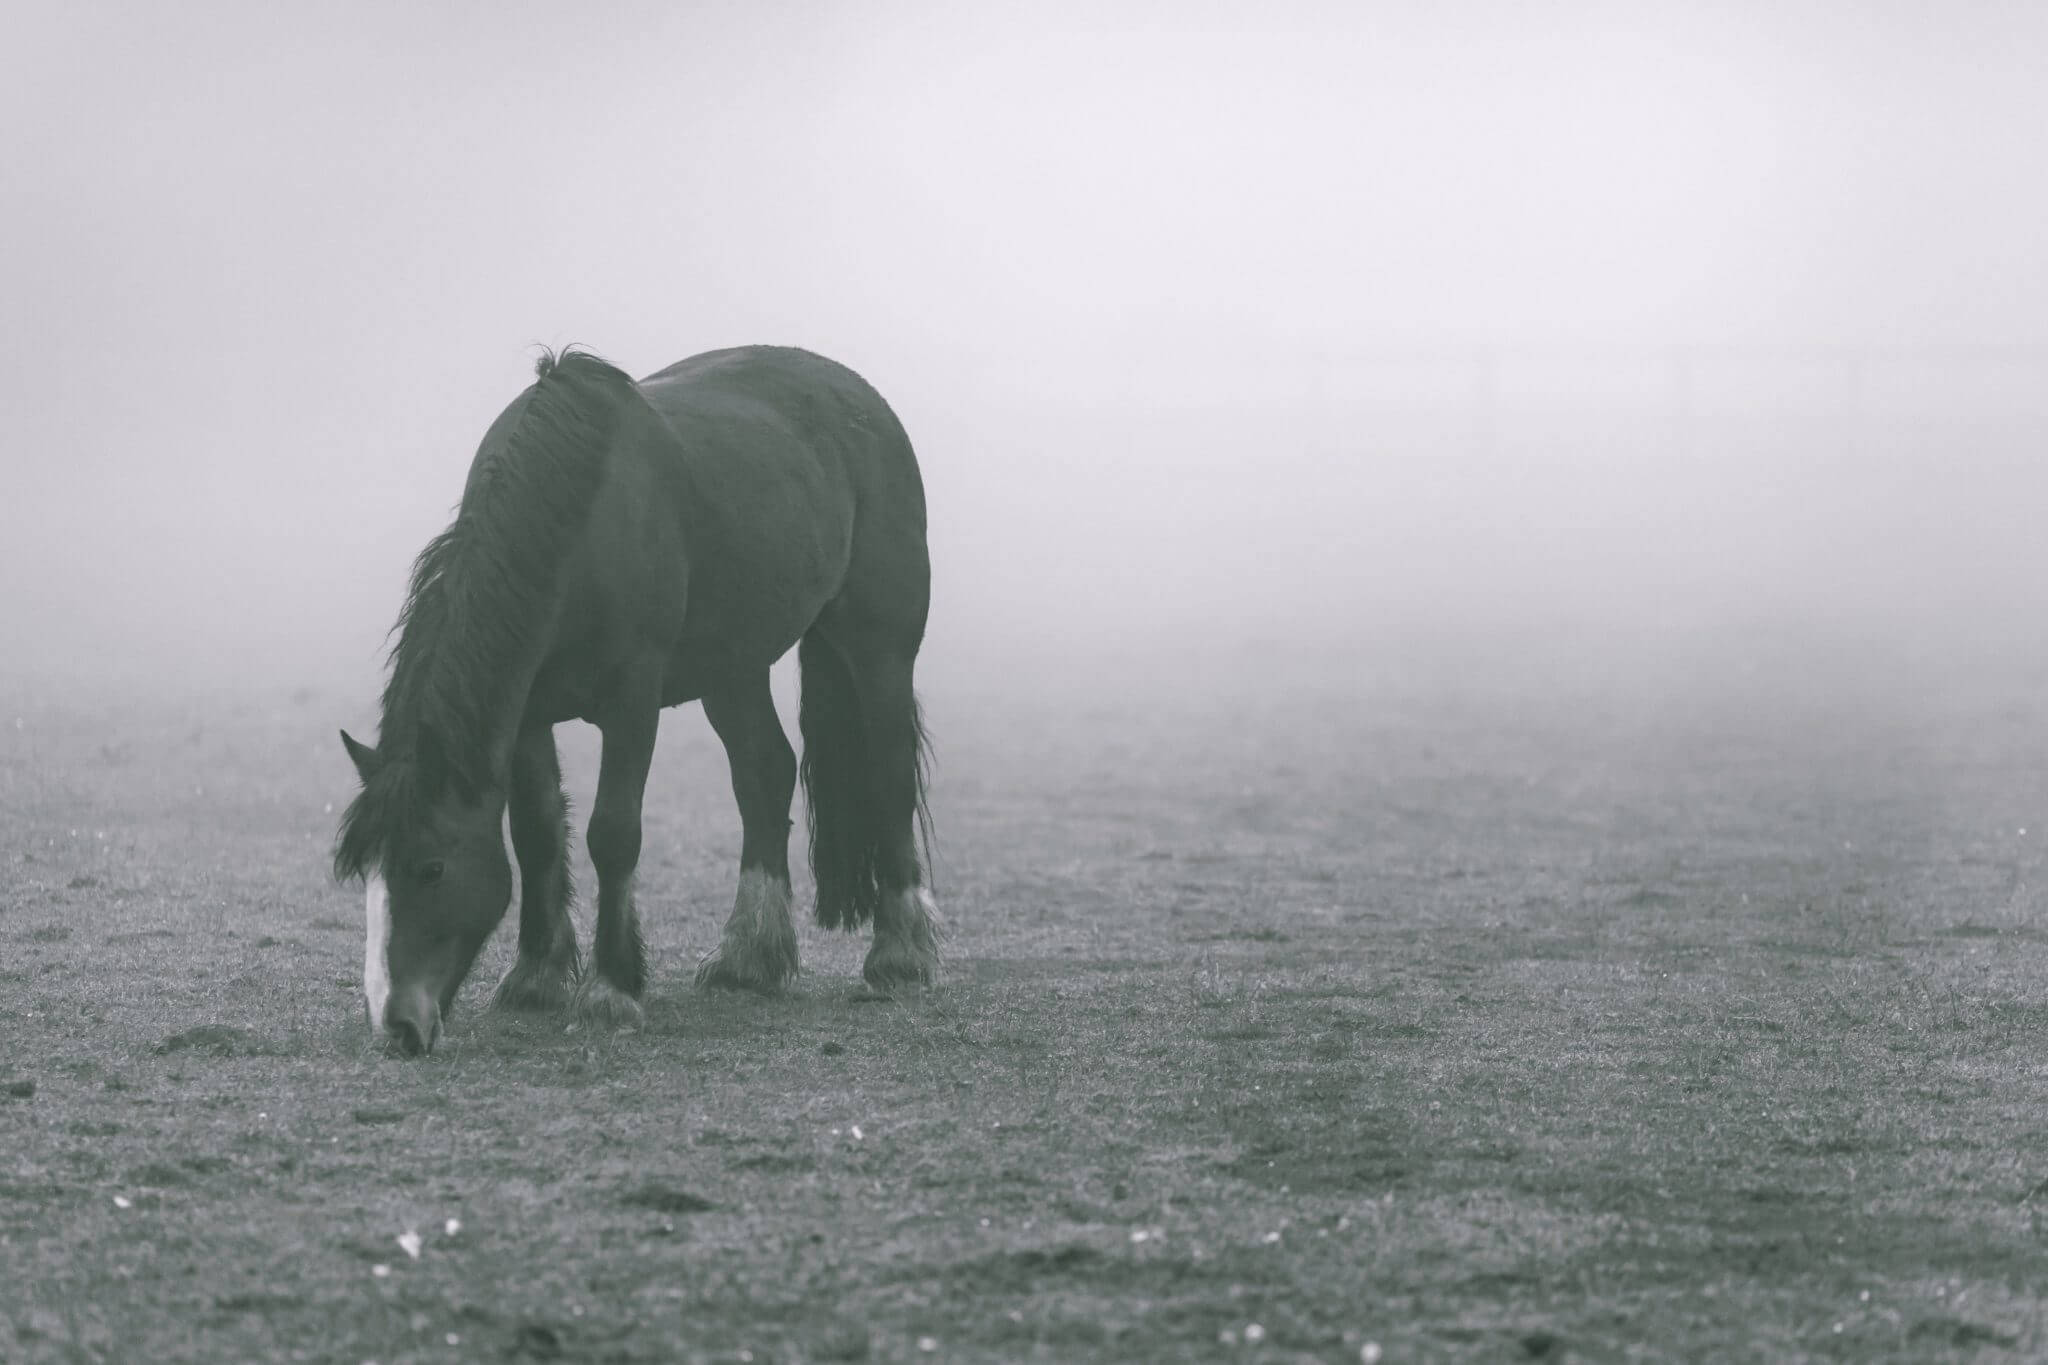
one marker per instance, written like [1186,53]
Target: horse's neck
[482,734]
[508,717]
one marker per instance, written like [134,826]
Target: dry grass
[1691,1012]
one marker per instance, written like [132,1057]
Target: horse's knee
[538,834]
[767,787]
[614,840]
[781,773]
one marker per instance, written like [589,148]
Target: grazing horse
[623,547]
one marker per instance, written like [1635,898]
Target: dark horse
[621,548]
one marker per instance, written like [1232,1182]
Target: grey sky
[271,269]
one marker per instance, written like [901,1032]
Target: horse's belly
[758,581]
[724,638]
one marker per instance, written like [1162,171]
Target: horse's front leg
[546,969]
[610,991]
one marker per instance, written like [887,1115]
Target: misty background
[1222,332]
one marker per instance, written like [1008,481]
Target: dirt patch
[1958,1333]
[666,1199]
[214,1040]
[774,1162]
[182,1171]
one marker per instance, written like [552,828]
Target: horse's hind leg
[541,978]
[906,946]
[874,669]
[758,949]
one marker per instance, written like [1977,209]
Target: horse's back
[884,576]
[814,395]
[734,411]
[799,483]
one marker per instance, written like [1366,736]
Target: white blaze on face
[376,950]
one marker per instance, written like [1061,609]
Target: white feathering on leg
[906,947]
[758,948]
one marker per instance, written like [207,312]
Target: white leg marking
[376,951]
[906,947]
[760,913]
[917,916]
[758,948]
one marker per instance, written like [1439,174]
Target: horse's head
[428,843]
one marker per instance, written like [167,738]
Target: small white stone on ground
[380,1270]
[452,1226]
[1369,1353]
[409,1243]
[122,1201]
[927,1343]
[855,1130]
[1254,1333]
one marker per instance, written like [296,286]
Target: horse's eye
[430,872]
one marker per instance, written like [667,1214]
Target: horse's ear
[367,760]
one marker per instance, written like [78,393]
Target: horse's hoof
[895,967]
[764,975]
[905,954]
[757,951]
[535,987]
[603,1005]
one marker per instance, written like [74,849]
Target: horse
[622,547]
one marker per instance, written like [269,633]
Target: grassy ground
[1688,1005]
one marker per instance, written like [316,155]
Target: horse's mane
[479,590]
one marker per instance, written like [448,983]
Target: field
[1671,999]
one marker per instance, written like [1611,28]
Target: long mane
[481,589]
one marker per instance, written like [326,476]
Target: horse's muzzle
[412,1023]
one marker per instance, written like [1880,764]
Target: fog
[1222,331]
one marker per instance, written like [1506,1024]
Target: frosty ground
[1675,1001]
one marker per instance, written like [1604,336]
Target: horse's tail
[848,808]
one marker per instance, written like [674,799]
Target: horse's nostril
[405,1038]
[411,1023]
